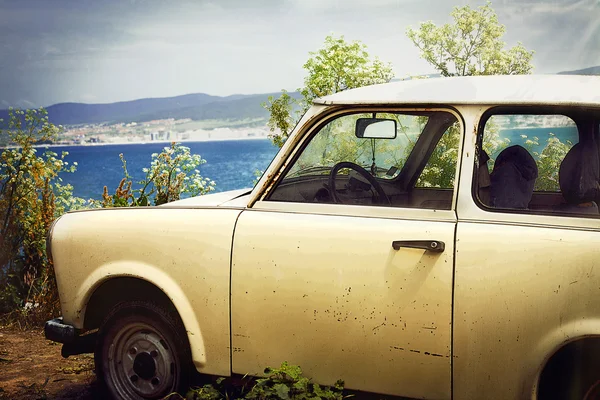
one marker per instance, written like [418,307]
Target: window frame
[308,132]
[575,113]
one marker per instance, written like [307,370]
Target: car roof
[489,90]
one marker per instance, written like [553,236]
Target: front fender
[185,252]
[155,276]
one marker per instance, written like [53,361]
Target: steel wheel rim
[141,363]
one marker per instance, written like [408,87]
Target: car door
[526,303]
[357,292]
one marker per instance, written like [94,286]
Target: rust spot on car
[378,326]
[427,353]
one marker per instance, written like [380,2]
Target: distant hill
[226,108]
[586,71]
[196,106]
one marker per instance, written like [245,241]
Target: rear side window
[535,163]
[547,138]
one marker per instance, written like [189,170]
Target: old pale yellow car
[430,239]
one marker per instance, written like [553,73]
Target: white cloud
[102,51]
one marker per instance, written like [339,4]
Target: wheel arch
[573,358]
[565,339]
[117,282]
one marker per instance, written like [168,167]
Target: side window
[341,165]
[533,162]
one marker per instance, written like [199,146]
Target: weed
[283,383]
[35,390]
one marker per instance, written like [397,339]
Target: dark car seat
[513,178]
[579,176]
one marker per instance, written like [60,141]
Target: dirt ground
[31,368]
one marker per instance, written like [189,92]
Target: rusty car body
[394,282]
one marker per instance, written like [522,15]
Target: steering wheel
[383,199]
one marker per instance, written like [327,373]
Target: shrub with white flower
[173,173]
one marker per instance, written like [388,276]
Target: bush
[172,173]
[31,197]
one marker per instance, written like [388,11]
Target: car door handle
[429,245]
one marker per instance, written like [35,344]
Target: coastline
[160,141]
[229,162]
[225,139]
[157,132]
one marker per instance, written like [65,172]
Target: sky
[99,51]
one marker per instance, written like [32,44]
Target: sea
[519,136]
[230,163]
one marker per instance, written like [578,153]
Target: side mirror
[375,128]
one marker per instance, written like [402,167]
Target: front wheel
[142,352]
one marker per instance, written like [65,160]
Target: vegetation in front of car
[32,195]
[284,383]
[172,173]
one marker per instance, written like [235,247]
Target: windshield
[337,142]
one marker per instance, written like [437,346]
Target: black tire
[142,352]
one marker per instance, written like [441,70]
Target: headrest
[513,178]
[522,160]
[579,174]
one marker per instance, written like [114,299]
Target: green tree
[337,66]
[441,168]
[31,197]
[548,161]
[172,173]
[471,45]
